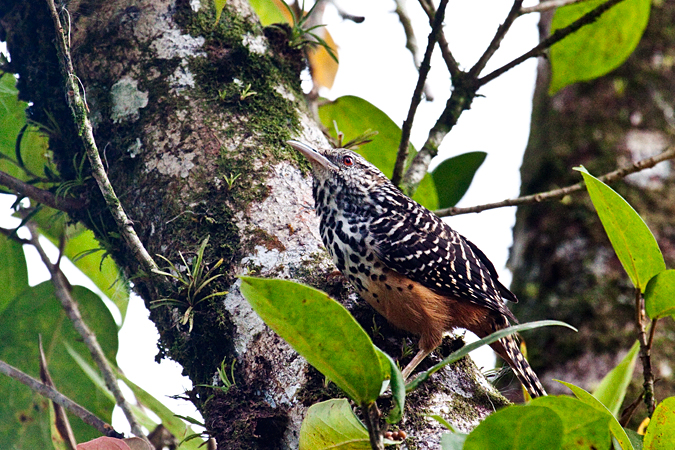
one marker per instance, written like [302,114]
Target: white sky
[375,65]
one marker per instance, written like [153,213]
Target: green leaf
[172,423]
[612,388]
[270,12]
[24,415]
[13,271]
[12,120]
[661,430]
[322,331]
[512,428]
[617,430]
[635,438]
[219,5]
[453,177]
[597,48]
[462,352]
[660,295]
[584,427]
[633,243]
[333,425]
[354,116]
[453,441]
[397,389]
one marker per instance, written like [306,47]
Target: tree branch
[411,41]
[62,291]
[79,110]
[497,39]
[40,195]
[450,62]
[402,154]
[555,37]
[558,193]
[60,399]
[546,6]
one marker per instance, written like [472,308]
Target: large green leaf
[633,243]
[612,388]
[584,427]
[322,331]
[616,429]
[24,416]
[597,48]
[453,177]
[333,425]
[13,271]
[513,428]
[660,433]
[354,116]
[660,295]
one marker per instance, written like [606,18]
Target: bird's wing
[424,248]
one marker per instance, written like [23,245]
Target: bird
[407,263]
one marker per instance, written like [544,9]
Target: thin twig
[61,419]
[402,154]
[555,37]
[83,124]
[57,397]
[12,235]
[411,41]
[40,195]
[496,40]
[546,6]
[62,290]
[558,193]
[645,352]
[460,99]
[450,62]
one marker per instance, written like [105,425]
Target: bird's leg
[419,357]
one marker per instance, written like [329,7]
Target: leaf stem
[645,351]
[371,415]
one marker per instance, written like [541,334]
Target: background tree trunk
[192,156]
[563,264]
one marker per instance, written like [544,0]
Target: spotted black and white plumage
[413,268]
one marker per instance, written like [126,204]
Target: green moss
[271,116]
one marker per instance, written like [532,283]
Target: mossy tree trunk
[563,264]
[191,119]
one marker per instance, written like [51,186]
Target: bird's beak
[312,154]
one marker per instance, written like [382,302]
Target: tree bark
[191,118]
[564,267]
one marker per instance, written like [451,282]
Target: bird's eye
[348,161]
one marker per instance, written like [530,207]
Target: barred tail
[508,349]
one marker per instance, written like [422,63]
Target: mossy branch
[80,110]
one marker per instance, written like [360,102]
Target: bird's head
[341,168]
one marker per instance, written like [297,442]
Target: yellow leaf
[322,65]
